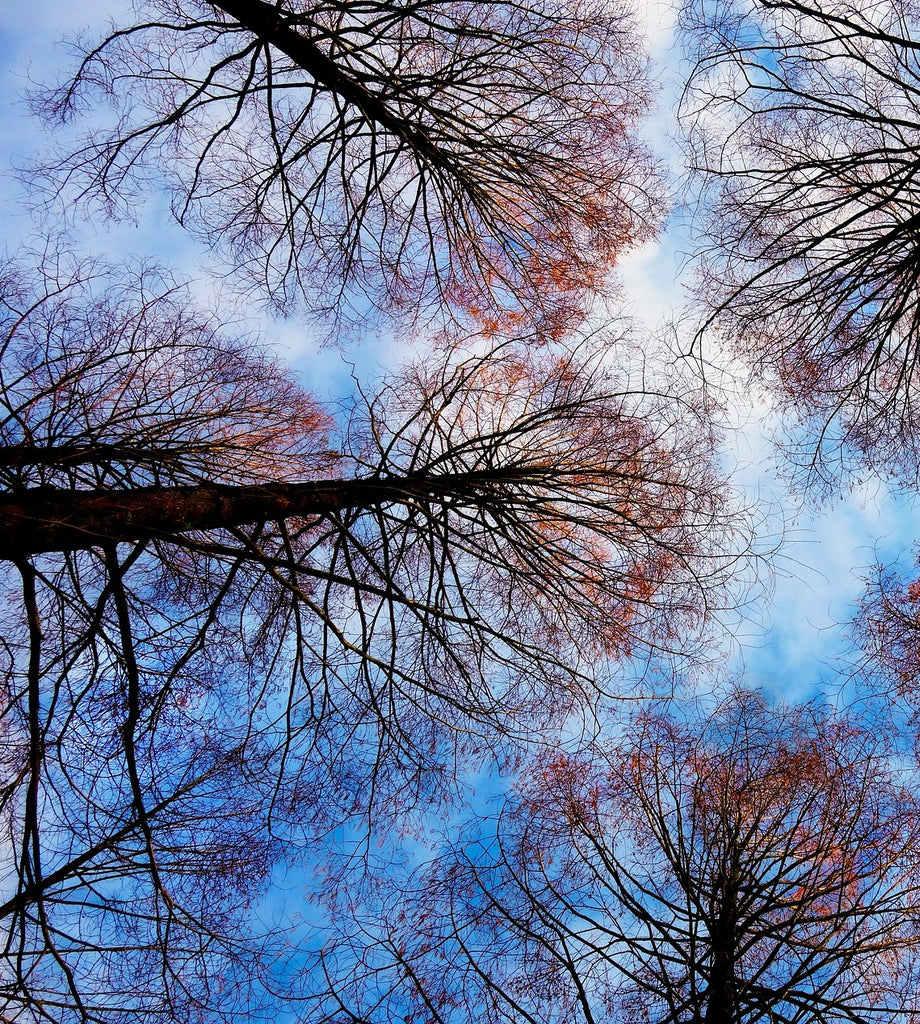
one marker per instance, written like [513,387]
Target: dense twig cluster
[246,635]
[755,864]
[232,638]
[479,153]
[803,118]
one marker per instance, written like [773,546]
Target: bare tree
[887,631]
[232,625]
[479,153]
[803,117]
[747,864]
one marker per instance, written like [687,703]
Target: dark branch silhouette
[749,864]
[234,625]
[478,155]
[803,118]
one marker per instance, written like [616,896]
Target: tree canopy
[223,589]
[354,156]
[254,640]
[750,863]
[802,120]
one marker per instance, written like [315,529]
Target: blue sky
[790,641]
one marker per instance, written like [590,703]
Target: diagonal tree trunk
[50,519]
[271,26]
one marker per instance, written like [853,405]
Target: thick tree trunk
[720,995]
[723,937]
[49,519]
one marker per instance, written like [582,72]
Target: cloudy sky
[788,643]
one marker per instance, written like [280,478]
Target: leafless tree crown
[236,623]
[755,864]
[803,120]
[482,154]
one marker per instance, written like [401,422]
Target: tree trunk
[267,23]
[720,994]
[49,519]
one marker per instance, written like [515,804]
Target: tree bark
[720,993]
[51,519]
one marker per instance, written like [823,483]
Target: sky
[789,641]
